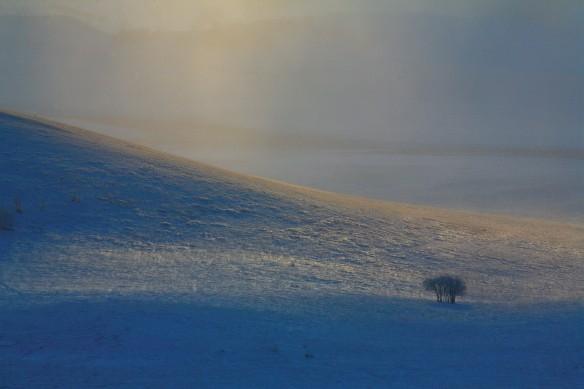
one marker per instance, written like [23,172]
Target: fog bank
[504,74]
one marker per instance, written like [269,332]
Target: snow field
[131,268]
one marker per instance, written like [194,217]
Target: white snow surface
[128,267]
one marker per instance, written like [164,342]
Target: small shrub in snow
[6,219]
[18,204]
[446,288]
[75,197]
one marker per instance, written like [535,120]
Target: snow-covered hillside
[129,267]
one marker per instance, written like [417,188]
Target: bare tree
[432,285]
[445,287]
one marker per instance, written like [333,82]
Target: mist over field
[489,73]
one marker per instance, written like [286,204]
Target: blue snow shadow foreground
[353,343]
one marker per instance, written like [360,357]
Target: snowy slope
[129,267]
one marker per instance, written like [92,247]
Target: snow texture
[132,268]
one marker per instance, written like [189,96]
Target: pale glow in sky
[476,71]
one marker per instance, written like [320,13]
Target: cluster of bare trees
[446,288]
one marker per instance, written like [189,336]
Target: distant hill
[52,64]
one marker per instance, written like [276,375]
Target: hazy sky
[186,14]
[472,71]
